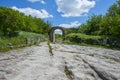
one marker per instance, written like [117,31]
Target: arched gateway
[52,35]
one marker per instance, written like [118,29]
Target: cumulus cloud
[41,1]
[33,12]
[74,8]
[71,25]
[57,31]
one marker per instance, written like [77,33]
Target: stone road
[82,63]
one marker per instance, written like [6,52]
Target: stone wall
[103,41]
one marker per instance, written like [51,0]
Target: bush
[19,41]
[79,38]
[93,40]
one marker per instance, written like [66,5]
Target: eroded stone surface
[84,63]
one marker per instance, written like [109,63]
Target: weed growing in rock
[50,48]
[67,72]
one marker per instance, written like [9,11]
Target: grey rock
[27,40]
[35,63]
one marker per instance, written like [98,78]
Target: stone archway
[52,36]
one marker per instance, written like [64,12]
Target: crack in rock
[102,74]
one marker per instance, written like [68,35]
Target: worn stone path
[82,63]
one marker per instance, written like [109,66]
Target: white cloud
[71,25]
[74,8]
[41,1]
[57,31]
[33,12]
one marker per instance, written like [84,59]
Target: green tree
[108,24]
[10,21]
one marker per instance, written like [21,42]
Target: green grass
[90,45]
[18,41]
[83,36]
[67,72]
[83,44]
[29,34]
[50,49]
[87,40]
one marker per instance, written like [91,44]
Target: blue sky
[66,13]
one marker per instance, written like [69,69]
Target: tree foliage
[12,21]
[108,24]
[71,30]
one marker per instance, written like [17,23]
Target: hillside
[18,30]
